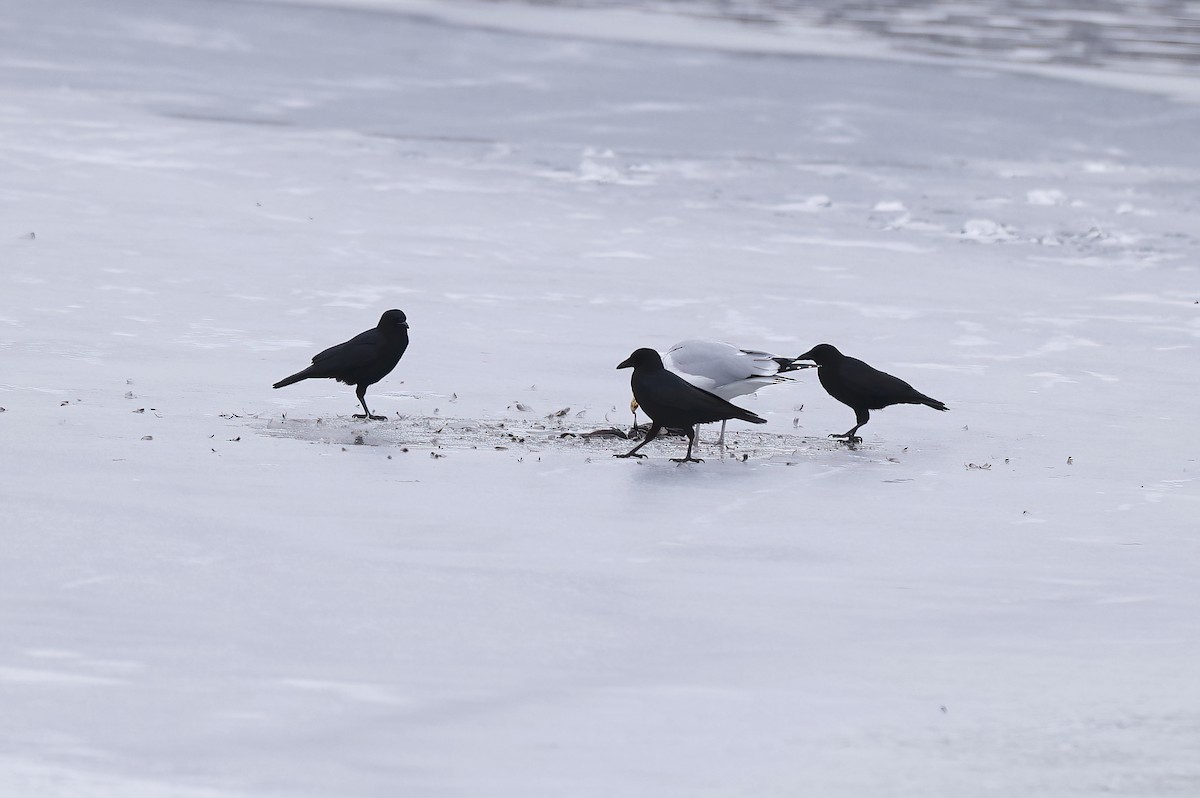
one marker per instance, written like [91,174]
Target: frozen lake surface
[209,589]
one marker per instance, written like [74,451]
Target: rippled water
[1148,35]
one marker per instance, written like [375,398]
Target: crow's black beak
[627,363]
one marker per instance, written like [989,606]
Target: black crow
[363,360]
[674,403]
[852,382]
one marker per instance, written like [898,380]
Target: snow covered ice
[209,589]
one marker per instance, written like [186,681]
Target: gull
[725,370]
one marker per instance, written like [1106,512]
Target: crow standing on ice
[674,403]
[363,360]
[852,382]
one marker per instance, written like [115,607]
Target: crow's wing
[672,400]
[873,386]
[361,350]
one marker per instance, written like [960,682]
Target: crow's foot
[370,417]
[630,454]
[686,460]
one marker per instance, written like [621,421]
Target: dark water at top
[1142,35]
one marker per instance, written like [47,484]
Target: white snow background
[209,589]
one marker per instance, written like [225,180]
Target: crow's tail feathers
[934,403]
[746,415]
[299,375]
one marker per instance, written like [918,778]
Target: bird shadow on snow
[441,434]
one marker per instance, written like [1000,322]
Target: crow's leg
[721,439]
[862,416]
[687,458]
[362,399]
[654,429]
